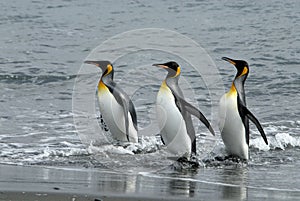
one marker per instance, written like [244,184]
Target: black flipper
[187,110]
[187,118]
[125,109]
[133,114]
[180,102]
[162,139]
[194,148]
[194,111]
[255,121]
[123,99]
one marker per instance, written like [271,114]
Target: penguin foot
[231,158]
[223,161]
[235,159]
[220,158]
[185,163]
[182,160]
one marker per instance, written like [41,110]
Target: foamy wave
[279,141]
[108,149]
[48,152]
[146,145]
[285,140]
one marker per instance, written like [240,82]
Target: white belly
[171,124]
[113,116]
[231,126]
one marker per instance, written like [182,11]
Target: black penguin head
[105,66]
[172,67]
[241,66]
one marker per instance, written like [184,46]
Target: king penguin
[234,115]
[115,105]
[174,115]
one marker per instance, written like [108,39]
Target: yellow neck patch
[164,87]
[164,84]
[232,90]
[102,87]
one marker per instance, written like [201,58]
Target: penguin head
[105,66]
[241,66]
[172,67]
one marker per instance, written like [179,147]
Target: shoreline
[68,183]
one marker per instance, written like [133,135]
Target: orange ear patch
[109,69]
[245,71]
[177,72]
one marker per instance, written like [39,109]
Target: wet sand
[61,183]
[50,196]
[53,184]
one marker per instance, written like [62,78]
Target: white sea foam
[108,149]
[279,141]
[285,140]
[146,144]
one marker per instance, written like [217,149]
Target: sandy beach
[51,196]
[53,183]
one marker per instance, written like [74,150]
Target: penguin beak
[93,63]
[229,60]
[160,66]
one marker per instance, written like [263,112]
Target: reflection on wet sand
[186,188]
[118,183]
[227,183]
[230,182]
[235,183]
[160,186]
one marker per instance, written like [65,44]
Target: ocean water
[43,46]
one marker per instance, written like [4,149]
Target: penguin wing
[241,104]
[186,116]
[255,121]
[133,113]
[123,99]
[194,111]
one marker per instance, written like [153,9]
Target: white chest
[231,126]
[113,115]
[171,123]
